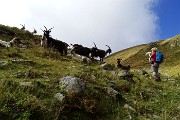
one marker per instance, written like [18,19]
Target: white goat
[8,44]
[43,42]
[79,57]
[149,53]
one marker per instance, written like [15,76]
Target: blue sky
[168,12]
[117,23]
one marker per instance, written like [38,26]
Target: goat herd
[77,51]
[62,47]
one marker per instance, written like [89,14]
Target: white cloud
[13,12]
[117,23]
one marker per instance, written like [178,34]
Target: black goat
[119,65]
[57,44]
[80,50]
[100,53]
[34,31]
[23,27]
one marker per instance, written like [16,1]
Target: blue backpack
[159,57]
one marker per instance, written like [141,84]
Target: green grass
[148,98]
[135,56]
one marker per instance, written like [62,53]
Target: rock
[142,72]
[115,94]
[178,107]
[25,83]
[3,62]
[93,77]
[120,88]
[15,60]
[124,73]
[111,91]
[23,46]
[72,85]
[157,117]
[59,97]
[126,106]
[107,66]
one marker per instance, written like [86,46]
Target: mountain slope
[30,76]
[135,56]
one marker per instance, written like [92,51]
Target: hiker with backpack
[156,57]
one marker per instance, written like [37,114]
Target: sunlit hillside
[135,56]
[30,77]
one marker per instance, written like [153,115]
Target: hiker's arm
[152,54]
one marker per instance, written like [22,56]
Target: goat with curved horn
[100,53]
[51,42]
[109,50]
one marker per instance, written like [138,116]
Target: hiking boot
[158,79]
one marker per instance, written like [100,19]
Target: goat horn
[51,28]
[42,30]
[95,45]
[108,46]
[45,27]
[22,25]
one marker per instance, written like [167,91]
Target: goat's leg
[61,51]
[65,51]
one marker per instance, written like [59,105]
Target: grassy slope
[149,99]
[135,56]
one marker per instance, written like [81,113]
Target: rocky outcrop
[72,85]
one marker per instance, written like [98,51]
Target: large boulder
[72,85]
[114,94]
[124,74]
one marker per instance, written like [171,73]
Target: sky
[117,23]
